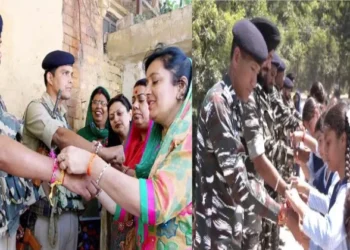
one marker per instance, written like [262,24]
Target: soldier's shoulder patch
[9,125]
[216,97]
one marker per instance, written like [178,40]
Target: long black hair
[347,214]
[317,91]
[174,60]
[309,109]
[337,120]
[113,138]
[141,82]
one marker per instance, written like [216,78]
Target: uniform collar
[228,83]
[48,100]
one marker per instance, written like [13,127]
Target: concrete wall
[83,37]
[40,26]
[130,45]
[132,73]
[30,32]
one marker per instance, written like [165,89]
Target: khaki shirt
[39,125]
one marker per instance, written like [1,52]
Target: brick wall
[83,28]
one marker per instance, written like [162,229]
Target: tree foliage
[315,40]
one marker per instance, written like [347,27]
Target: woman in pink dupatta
[123,228]
[140,129]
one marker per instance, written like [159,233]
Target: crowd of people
[263,161]
[132,159]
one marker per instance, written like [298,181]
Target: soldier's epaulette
[41,100]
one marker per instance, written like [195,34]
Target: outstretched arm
[16,159]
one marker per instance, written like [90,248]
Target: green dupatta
[90,132]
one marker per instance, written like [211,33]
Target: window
[109,26]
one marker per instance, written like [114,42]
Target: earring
[179,97]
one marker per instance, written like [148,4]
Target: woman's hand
[115,153]
[296,137]
[80,184]
[111,154]
[117,165]
[301,156]
[124,169]
[74,160]
[296,228]
[302,186]
[295,201]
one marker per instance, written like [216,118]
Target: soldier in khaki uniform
[46,129]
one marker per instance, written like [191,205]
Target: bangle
[100,176]
[90,164]
[278,180]
[98,146]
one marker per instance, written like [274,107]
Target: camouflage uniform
[222,186]
[40,124]
[17,194]
[290,105]
[282,112]
[285,123]
[260,137]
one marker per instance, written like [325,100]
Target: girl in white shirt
[328,232]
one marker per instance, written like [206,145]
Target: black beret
[269,31]
[1,24]
[247,37]
[276,60]
[287,83]
[282,66]
[291,76]
[56,59]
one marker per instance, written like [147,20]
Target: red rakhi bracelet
[282,214]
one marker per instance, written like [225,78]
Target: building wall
[30,32]
[36,28]
[132,73]
[174,28]
[83,37]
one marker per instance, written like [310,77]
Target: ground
[289,240]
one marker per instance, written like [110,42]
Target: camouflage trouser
[247,230]
[269,238]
